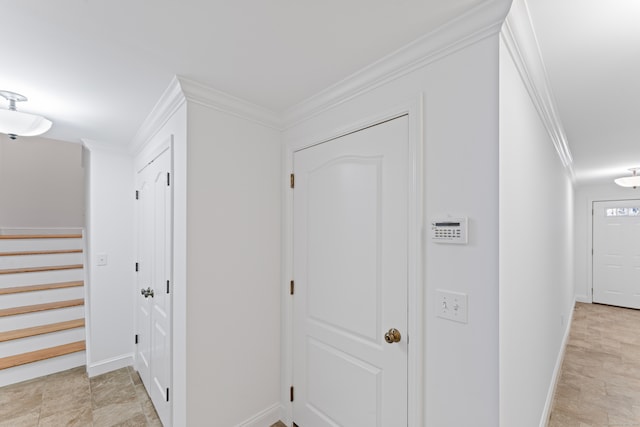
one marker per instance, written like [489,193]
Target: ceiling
[96,68]
[591,50]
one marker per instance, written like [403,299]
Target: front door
[350,338]
[153,350]
[616,253]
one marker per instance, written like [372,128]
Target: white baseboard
[284,417]
[546,413]
[264,418]
[108,365]
[40,230]
[584,298]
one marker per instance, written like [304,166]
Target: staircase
[42,327]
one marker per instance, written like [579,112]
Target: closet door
[153,353]
[350,216]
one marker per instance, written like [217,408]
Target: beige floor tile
[119,414]
[29,419]
[599,383]
[19,399]
[67,400]
[78,417]
[71,399]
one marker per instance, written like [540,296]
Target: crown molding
[93,145]
[169,102]
[209,97]
[519,37]
[181,90]
[479,22]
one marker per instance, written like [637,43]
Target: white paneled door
[350,269]
[616,253]
[153,297]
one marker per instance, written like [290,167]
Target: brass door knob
[392,336]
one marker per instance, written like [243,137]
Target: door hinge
[291,394]
[168,179]
[136,338]
[291,288]
[167,286]
[137,194]
[292,180]
[167,394]
[137,266]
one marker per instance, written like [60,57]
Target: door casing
[416,306]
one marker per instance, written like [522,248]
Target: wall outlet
[452,305]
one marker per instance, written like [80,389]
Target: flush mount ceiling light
[629,181]
[14,123]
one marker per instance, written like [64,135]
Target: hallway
[600,380]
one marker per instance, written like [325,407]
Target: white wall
[461,178]
[233,268]
[110,287]
[536,254]
[41,183]
[586,194]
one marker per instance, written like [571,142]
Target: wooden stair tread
[58,251]
[43,287]
[39,236]
[36,269]
[40,307]
[46,353]
[40,330]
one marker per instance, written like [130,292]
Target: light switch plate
[101,259]
[452,305]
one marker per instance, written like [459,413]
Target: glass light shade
[628,181]
[22,124]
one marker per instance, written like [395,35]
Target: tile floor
[70,398]
[599,383]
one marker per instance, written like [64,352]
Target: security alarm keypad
[449,230]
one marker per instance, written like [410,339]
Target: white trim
[416,309]
[589,252]
[152,151]
[109,365]
[477,23]
[266,417]
[182,89]
[557,370]
[40,230]
[92,145]
[199,93]
[88,319]
[170,101]
[583,298]
[521,42]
